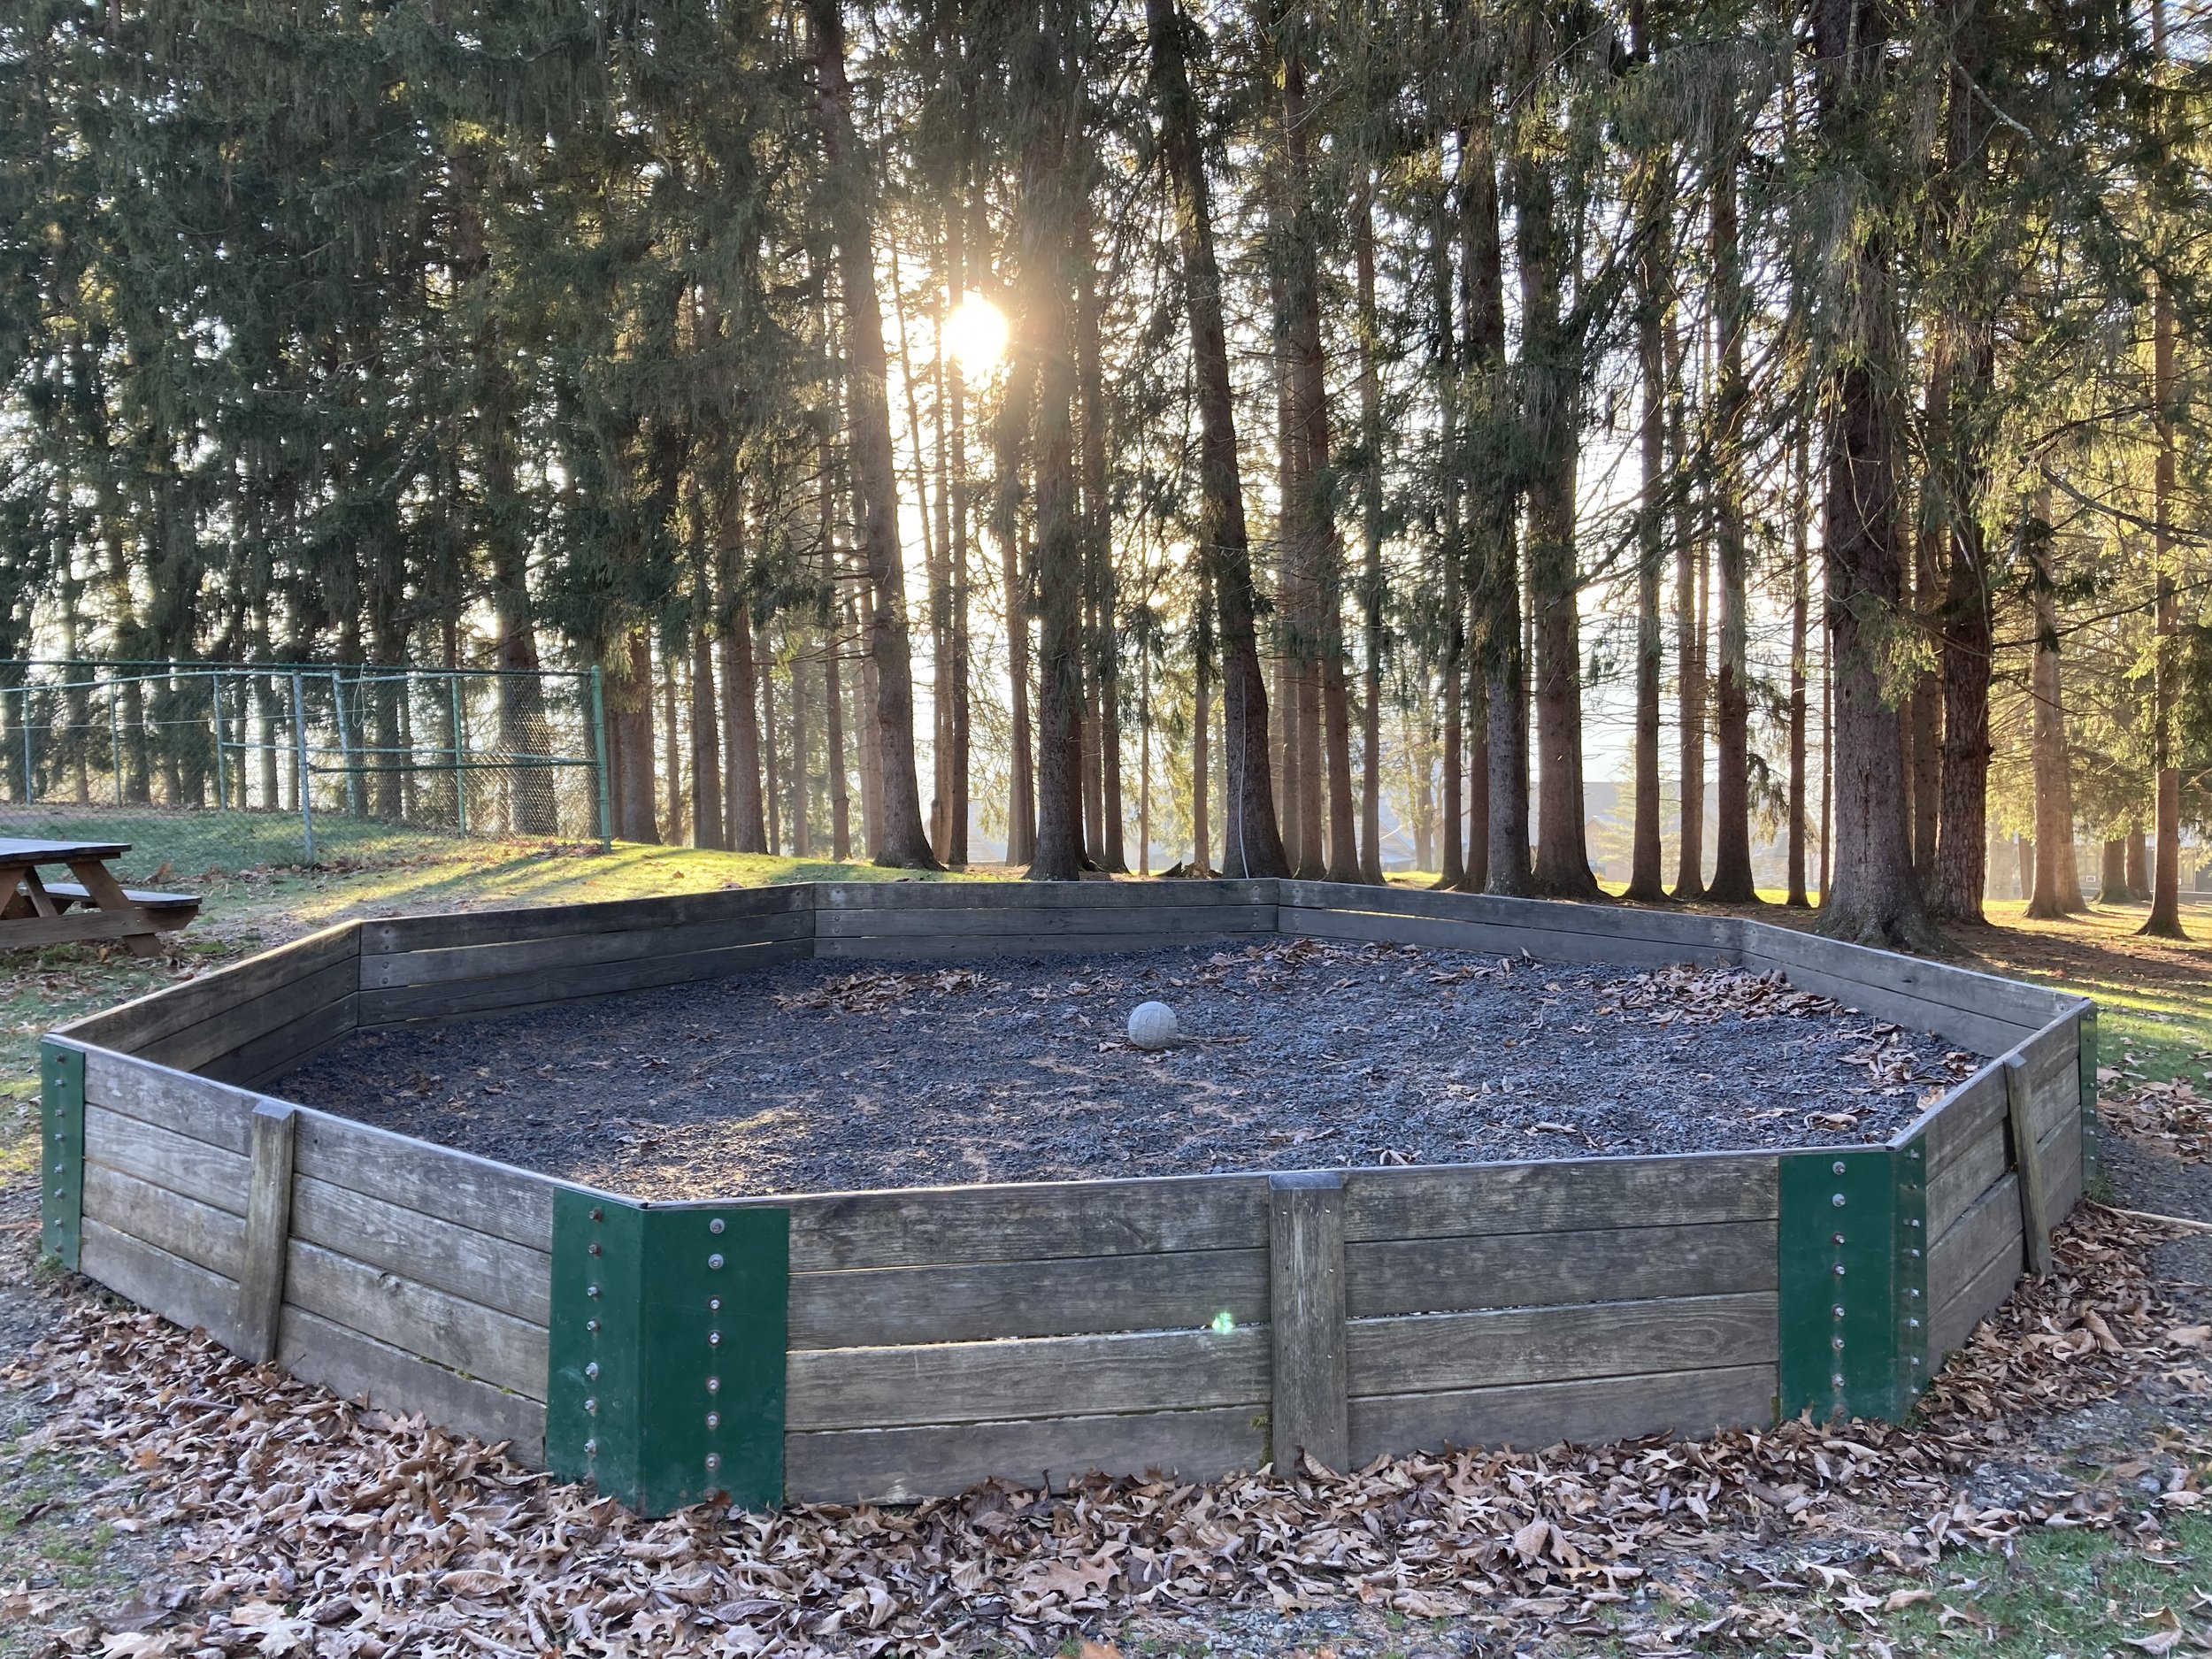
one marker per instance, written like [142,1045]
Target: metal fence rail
[226,766]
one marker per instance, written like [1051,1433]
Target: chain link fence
[207,767]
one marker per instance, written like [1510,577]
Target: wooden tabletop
[13,852]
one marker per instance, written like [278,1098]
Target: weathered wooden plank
[1441,1201]
[165,1159]
[964,1301]
[1990,1227]
[1968,1172]
[193,1046]
[1954,1127]
[357,1367]
[1954,1321]
[2034,1202]
[2063,1173]
[478,1267]
[268,1232]
[1050,1377]
[1007,921]
[2011,1001]
[172,1100]
[1700,933]
[1437,1352]
[1491,939]
[963,948]
[1305,1256]
[1684,1404]
[465,1336]
[463,964]
[181,1292]
[288,1047]
[184,1227]
[1512,1269]
[457,930]
[1025,1221]
[906,1464]
[455,1186]
[130,1028]
[514,992]
[1077,896]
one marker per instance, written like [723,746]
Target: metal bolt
[1914,1253]
[1838,1166]
[1835,1342]
[591,1370]
[714,1460]
[714,1304]
[591,1448]
[591,1290]
[1913,1360]
[714,1338]
[594,1248]
[1836,1201]
[715,1225]
[714,1261]
[1913,1153]
[1913,1292]
[598,1214]
[591,1325]
[1838,1270]
[714,1419]
[1837,1379]
[1839,1238]
[1912,1324]
[1838,1310]
[714,1384]
[592,1406]
[1912,1222]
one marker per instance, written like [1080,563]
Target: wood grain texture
[1003,921]
[1684,1404]
[175,1163]
[1952,1322]
[1990,1227]
[272,1057]
[172,1100]
[1306,1312]
[131,1027]
[1700,933]
[1079,1295]
[952,948]
[1540,1269]
[1562,1194]
[193,1046]
[1431,1353]
[463,965]
[1051,1377]
[181,1292]
[1086,895]
[2026,1007]
[907,1464]
[357,1367]
[1984,1033]
[464,1336]
[1971,1169]
[268,1233]
[479,1267]
[459,929]
[1488,938]
[2028,1166]
[186,1228]
[437,1181]
[1953,1129]
[1026,1221]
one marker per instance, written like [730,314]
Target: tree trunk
[2164,921]
[1647,883]
[1371,538]
[1253,843]
[1689,636]
[2139,865]
[1451,865]
[672,751]
[833,771]
[2057,876]
[706,738]
[1732,882]
[1103,736]
[1800,606]
[1876,898]
[1202,700]
[905,839]
[741,725]
[802,836]
[629,698]
[2112,883]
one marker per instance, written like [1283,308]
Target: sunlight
[976,331]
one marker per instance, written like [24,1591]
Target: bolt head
[1838,1270]
[714,1419]
[1838,1166]
[715,1225]
[591,1448]
[592,1406]
[714,1304]
[715,1262]
[714,1338]
[1836,1201]
[591,1290]
[594,1248]
[598,1214]
[1838,1311]
[714,1460]
[591,1370]
[714,1384]
[1837,1379]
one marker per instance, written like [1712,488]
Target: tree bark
[1104,679]
[1731,882]
[1451,865]
[905,839]
[1646,882]
[1370,538]
[1689,637]
[2164,921]
[1876,898]
[2057,876]
[706,737]
[1253,842]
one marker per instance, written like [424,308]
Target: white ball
[1152,1025]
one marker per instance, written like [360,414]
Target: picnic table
[95,905]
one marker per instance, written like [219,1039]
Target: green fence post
[1851,1273]
[598,760]
[28,794]
[215,725]
[2091,1128]
[664,1383]
[115,740]
[460,752]
[305,778]
[61,1150]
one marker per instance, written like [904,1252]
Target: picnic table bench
[95,905]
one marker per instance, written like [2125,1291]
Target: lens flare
[976,333]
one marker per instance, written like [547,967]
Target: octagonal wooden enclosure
[899,1344]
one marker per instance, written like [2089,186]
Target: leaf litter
[320,1525]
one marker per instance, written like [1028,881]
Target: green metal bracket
[61,1151]
[1852,1277]
[2085,1031]
[665,1366]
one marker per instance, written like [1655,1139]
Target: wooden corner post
[268,1231]
[2028,1161]
[1311,1410]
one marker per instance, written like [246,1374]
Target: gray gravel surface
[823,1077]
